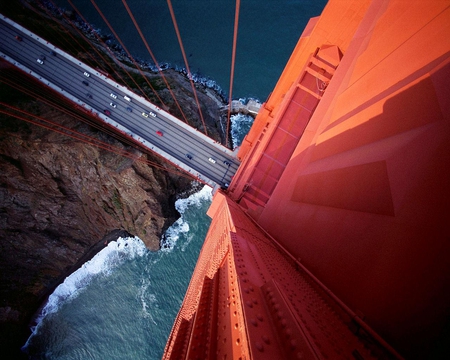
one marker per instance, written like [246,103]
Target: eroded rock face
[58,199]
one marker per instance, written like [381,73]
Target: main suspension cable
[52,126]
[233,58]
[172,14]
[83,36]
[153,57]
[126,50]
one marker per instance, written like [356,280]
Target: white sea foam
[187,242]
[240,125]
[102,263]
[147,300]
[181,226]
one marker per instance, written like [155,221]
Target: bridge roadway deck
[65,74]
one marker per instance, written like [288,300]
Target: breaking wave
[103,263]
[181,226]
[240,125]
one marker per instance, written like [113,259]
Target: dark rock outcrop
[59,197]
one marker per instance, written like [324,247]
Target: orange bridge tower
[332,240]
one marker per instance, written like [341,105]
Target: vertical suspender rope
[84,37]
[60,129]
[123,46]
[64,39]
[172,14]
[153,57]
[93,47]
[74,39]
[233,57]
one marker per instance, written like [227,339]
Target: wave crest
[181,226]
[114,254]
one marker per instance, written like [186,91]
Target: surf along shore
[61,196]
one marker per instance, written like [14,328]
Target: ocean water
[122,304]
[268,31]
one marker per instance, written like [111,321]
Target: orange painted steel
[336,224]
[210,324]
[285,132]
[243,302]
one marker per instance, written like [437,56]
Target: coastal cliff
[62,200]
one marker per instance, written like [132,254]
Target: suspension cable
[70,22]
[123,47]
[52,126]
[153,57]
[114,56]
[66,31]
[172,14]
[111,53]
[233,58]
[36,93]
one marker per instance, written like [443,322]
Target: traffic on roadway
[117,105]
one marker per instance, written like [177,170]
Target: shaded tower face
[250,299]
[339,212]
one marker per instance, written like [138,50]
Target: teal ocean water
[268,32]
[122,304]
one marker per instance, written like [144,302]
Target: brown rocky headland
[61,199]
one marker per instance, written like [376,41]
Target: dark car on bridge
[107,112]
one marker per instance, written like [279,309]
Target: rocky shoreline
[87,256]
[61,199]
